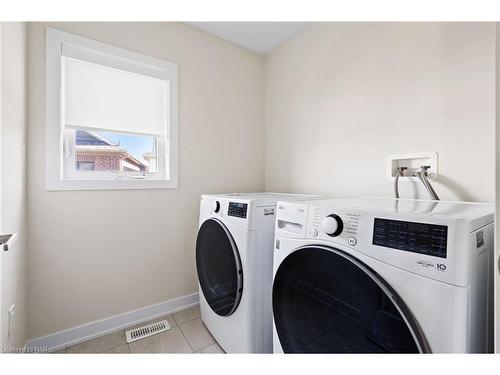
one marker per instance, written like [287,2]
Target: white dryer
[234,261]
[362,275]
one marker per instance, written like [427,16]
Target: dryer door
[326,301]
[219,267]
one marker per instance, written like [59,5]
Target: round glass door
[219,267]
[326,301]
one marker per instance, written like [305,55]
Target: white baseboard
[87,331]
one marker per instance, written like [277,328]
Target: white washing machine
[234,260]
[362,275]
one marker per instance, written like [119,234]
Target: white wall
[13,179]
[342,97]
[94,254]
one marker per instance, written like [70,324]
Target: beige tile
[212,349]
[122,349]
[168,318]
[100,344]
[197,334]
[187,315]
[171,341]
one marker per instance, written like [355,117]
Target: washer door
[219,267]
[326,301]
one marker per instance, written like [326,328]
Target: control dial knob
[216,206]
[332,225]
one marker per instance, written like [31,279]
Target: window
[111,116]
[85,165]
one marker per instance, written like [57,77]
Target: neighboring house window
[85,165]
[111,116]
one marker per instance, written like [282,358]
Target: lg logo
[441,267]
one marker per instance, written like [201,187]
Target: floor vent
[147,330]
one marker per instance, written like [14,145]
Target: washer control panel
[428,239]
[408,236]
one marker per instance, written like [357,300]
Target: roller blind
[102,97]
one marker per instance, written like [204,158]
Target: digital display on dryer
[428,239]
[237,209]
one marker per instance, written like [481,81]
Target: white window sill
[130,184]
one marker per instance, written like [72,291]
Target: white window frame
[57,136]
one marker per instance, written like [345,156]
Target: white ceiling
[260,37]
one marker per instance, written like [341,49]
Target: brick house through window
[96,153]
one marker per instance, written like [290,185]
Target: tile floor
[187,334]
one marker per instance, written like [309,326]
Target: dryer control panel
[237,209]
